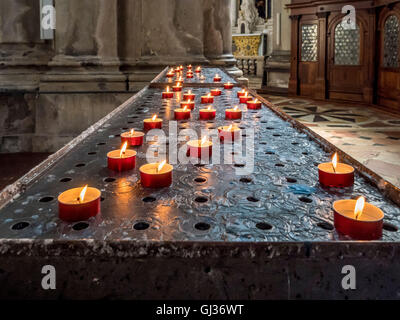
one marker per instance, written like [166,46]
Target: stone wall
[103,51]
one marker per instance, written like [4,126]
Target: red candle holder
[244,99]
[121,161]
[188,104]
[189,96]
[153,123]
[167,94]
[217,78]
[151,176]
[254,104]
[199,149]
[170,74]
[177,88]
[189,67]
[228,86]
[367,227]
[133,138]
[241,93]
[207,99]
[189,75]
[216,92]
[229,133]
[182,114]
[79,204]
[341,177]
[233,114]
[207,114]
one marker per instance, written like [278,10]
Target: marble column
[278,64]
[86,48]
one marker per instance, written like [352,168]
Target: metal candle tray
[230,236]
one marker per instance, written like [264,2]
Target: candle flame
[245,94]
[236,108]
[132,132]
[217,76]
[230,128]
[168,89]
[82,194]
[358,210]
[185,108]
[209,108]
[154,117]
[203,141]
[198,68]
[209,95]
[161,165]
[123,149]
[334,161]
[190,92]
[255,101]
[228,83]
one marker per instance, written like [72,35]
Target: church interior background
[341,84]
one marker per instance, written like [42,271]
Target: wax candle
[189,67]
[233,114]
[153,123]
[245,98]
[199,148]
[177,88]
[229,133]
[207,99]
[167,94]
[198,70]
[122,159]
[217,78]
[189,75]
[216,92]
[134,138]
[79,204]
[189,95]
[228,86]
[188,104]
[357,219]
[254,104]
[182,113]
[181,68]
[335,174]
[156,175]
[241,93]
[170,73]
[208,114]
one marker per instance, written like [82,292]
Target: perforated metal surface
[309,42]
[347,46]
[391,42]
[205,203]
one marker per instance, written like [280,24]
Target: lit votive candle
[229,133]
[121,160]
[156,175]
[188,104]
[189,95]
[153,123]
[79,204]
[233,114]
[217,78]
[198,70]
[335,174]
[199,148]
[171,73]
[358,219]
[216,92]
[189,75]
[167,94]
[208,114]
[134,138]
[241,93]
[207,99]
[177,88]
[182,113]
[189,67]
[245,98]
[228,86]
[254,104]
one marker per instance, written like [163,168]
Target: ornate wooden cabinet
[337,57]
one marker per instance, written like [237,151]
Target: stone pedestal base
[277,73]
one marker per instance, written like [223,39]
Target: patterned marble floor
[370,135]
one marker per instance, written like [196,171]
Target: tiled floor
[369,135]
